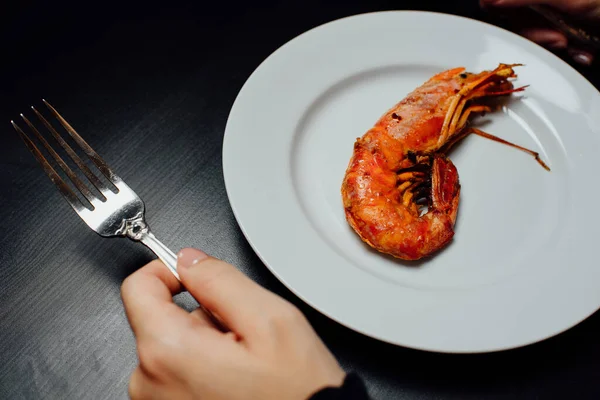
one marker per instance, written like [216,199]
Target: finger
[148,299]
[232,336]
[546,37]
[227,292]
[562,5]
[140,386]
[582,57]
[203,317]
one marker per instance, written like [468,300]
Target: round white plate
[523,264]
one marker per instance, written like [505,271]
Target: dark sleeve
[353,388]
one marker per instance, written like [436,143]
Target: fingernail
[582,58]
[188,257]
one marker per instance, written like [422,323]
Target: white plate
[523,264]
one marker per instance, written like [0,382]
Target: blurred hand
[585,10]
[271,351]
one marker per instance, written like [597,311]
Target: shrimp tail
[435,229]
[445,187]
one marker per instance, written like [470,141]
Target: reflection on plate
[521,266]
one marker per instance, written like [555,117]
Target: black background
[150,86]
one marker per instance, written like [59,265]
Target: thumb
[224,290]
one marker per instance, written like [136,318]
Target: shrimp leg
[535,154]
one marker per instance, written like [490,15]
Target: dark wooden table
[151,86]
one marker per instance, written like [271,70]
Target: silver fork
[119,211]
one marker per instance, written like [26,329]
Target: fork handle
[161,251]
[170,261]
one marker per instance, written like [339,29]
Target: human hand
[271,351]
[583,11]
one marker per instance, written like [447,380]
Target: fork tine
[54,177]
[82,166]
[100,163]
[76,181]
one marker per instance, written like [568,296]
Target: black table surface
[151,86]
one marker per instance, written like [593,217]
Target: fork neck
[138,230]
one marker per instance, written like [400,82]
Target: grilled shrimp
[401,191]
